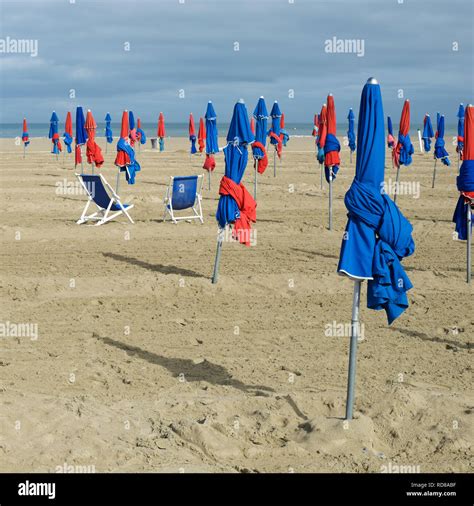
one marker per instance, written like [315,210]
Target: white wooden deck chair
[98,192]
[184,192]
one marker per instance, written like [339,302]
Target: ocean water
[12,130]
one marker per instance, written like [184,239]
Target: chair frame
[102,215]
[197,203]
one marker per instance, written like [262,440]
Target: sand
[141,364]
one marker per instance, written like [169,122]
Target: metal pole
[209,179]
[469,238]
[24,150]
[434,173]
[396,185]
[353,350]
[330,198]
[118,181]
[220,239]
[321,167]
[274,164]
[459,160]
[419,140]
[255,185]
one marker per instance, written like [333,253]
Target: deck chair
[184,192]
[98,191]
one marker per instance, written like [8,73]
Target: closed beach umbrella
[93,151]
[390,137]
[141,136]
[350,132]
[81,136]
[211,140]
[283,133]
[274,133]
[252,125]
[440,152]
[132,128]
[260,114]
[125,159]
[67,135]
[465,184]
[460,139]
[201,135]
[332,147]
[401,154]
[377,235]
[25,137]
[428,133]
[161,133]
[192,134]
[236,206]
[321,139]
[438,116]
[314,132]
[109,138]
[54,134]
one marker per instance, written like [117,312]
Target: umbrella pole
[330,198]
[459,158]
[24,150]
[274,164]
[353,350]
[469,238]
[419,140]
[321,167]
[396,185]
[209,179]
[255,185]
[220,239]
[434,173]
[118,181]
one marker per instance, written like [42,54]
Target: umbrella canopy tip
[241,101]
[330,95]
[372,80]
[469,105]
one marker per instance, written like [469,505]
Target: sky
[175,55]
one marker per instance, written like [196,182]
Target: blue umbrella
[108,129]
[212,146]
[377,235]
[54,133]
[350,132]
[236,206]
[439,150]
[460,145]
[428,133]
[390,137]
[81,135]
[260,114]
[274,133]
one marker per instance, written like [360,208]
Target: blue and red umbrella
[161,132]
[236,206]
[212,146]
[390,137]
[465,179]
[460,139]
[81,135]
[201,135]
[67,135]
[332,147]
[108,129]
[54,134]
[93,151]
[192,134]
[260,114]
[125,158]
[141,136]
[404,148]
[25,136]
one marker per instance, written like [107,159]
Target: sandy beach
[141,364]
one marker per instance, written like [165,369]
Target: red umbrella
[93,151]
[192,130]
[252,125]
[403,130]
[139,126]
[201,135]
[161,126]
[122,159]
[331,158]
[68,124]
[315,125]
[322,131]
